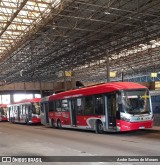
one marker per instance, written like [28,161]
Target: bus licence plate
[141,127]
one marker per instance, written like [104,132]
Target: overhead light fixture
[54,25]
[106,12]
[112,74]
[21,72]
[154,74]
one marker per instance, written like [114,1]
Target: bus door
[44,113]
[46,110]
[18,113]
[110,111]
[66,114]
[22,113]
[29,114]
[73,112]
[9,113]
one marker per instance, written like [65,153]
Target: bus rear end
[3,112]
[35,113]
[25,111]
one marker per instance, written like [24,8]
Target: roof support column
[65,81]
[1,99]
[40,85]
[11,98]
[73,81]
[108,68]
[122,74]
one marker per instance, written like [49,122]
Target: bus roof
[97,89]
[34,100]
[3,105]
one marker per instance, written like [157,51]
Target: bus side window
[26,112]
[23,108]
[89,110]
[65,106]
[29,109]
[18,109]
[119,106]
[51,107]
[58,105]
[36,108]
[80,106]
[99,105]
[12,111]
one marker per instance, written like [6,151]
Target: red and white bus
[3,112]
[115,106]
[26,111]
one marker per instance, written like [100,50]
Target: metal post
[1,99]
[73,82]
[122,75]
[108,69]
[11,98]
[65,81]
[40,88]
[25,92]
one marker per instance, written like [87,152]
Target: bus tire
[59,126]
[99,127]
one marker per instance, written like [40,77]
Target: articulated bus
[3,112]
[26,111]
[115,106]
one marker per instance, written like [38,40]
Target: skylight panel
[18,17]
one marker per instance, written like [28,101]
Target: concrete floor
[37,140]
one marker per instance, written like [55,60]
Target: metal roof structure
[39,38]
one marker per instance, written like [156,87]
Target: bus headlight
[34,116]
[126,119]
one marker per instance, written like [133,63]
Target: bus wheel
[59,124]
[99,127]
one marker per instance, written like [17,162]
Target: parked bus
[3,112]
[115,106]
[26,111]
[155,98]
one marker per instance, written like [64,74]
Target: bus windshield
[136,102]
[36,108]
